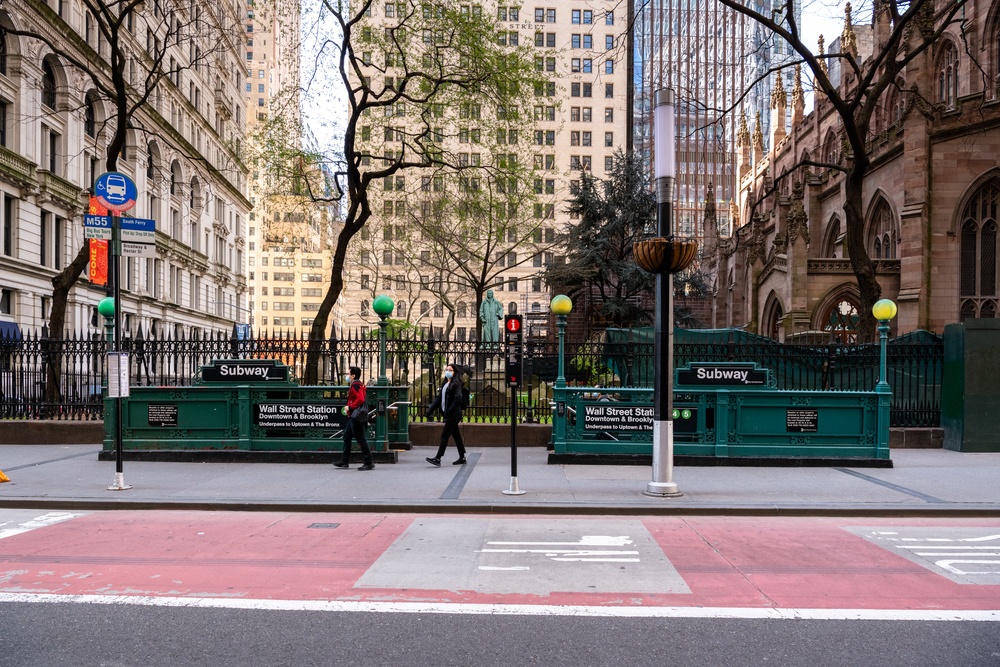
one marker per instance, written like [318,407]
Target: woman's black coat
[453,401]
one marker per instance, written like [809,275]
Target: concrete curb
[985,511]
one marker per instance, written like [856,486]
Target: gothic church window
[883,233]
[948,76]
[978,254]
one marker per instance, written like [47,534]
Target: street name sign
[138,237]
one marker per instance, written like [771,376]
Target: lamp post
[107,309]
[662,484]
[382,306]
[561,305]
[883,310]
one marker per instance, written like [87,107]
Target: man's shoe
[460,462]
[367,466]
[433,461]
[341,464]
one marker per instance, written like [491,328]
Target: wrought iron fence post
[431,375]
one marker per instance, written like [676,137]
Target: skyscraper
[719,65]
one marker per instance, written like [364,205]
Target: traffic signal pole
[514,340]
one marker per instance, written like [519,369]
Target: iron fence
[46,378]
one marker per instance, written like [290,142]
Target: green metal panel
[970,393]
[727,422]
[251,415]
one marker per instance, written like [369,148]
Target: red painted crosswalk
[595,562]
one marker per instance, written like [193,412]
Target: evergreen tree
[612,214]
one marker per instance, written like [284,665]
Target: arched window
[438,310]
[48,85]
[461,309]
[425,307]
[175,178]
[90,118]
[512,308]
[364,307]
[978,251]
[883,233]
[831,149]
[3,52]
[771,322]
[842,320]
[150,160]
[195,197]
[948,76]
[830,241]
[401,309]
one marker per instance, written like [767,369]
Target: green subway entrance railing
[726,410]
[253,406]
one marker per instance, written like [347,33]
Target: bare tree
[404,77]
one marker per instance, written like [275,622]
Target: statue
[490,313]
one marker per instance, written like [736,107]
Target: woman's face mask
[448,375]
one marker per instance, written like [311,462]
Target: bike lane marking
[768,567]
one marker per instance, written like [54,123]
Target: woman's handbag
[360,415]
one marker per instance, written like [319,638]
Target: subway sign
[722,375]
[242,371]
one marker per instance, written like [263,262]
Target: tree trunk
[62,283]
[863,266]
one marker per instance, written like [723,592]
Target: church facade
[930,198]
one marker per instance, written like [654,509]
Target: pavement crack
[733,566]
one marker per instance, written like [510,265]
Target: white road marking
[574,555]
[516,568]
[950,555]
[585,541]
[992,616]
[37,522]
[949,565]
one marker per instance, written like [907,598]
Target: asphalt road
[75,635]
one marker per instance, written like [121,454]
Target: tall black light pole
[664,163]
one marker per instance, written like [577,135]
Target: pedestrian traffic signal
[515,349]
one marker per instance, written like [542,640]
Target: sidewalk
[923,482]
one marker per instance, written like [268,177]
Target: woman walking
[449,404]
[356,409]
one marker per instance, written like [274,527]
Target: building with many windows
[577,121]
[182,71]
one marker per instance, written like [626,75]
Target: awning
[9,331]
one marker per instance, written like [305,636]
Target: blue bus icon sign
[115,191]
